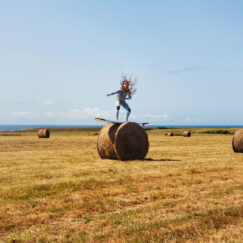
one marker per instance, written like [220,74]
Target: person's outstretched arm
[113,93]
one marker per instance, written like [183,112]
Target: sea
[24,127]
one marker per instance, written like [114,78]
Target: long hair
[131,84]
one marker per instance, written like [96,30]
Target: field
[59,190]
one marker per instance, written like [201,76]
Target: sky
[58,60]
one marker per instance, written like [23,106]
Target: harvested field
[59,190]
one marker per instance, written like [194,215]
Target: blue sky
[59,58]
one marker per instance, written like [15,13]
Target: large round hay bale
[43,133]
[187,134]
[131,142]
[237,141]
[127,141]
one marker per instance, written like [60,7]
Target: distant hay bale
[43,133]
[237,141]
[127,141]
[169,134]
[187,134]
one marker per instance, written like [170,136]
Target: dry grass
[59,190]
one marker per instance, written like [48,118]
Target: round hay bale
[105,142]
[127,141]
[237,141]
[131,142]
[43,133]
[187,134]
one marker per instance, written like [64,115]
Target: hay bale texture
[127,141]
[43,133]
[237,141]
[187,134]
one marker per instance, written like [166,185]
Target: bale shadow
[150,159]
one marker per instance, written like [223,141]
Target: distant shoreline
[26,127]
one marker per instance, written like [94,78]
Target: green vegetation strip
[217,132]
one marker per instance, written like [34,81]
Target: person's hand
[108,95]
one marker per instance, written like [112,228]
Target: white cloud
[47,102]
[188,119]
[97,112]
[79,114]
[68,114]
[156,116]
[85,115]
[50,102]
[23,114]
[49,114]
[71,114]
[185,69]
[108,114]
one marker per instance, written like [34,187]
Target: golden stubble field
[59,190]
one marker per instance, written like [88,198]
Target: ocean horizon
[13,127]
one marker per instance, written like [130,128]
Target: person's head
[125,85]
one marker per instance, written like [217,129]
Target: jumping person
[123,94]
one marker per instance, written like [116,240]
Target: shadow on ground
[150,159]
